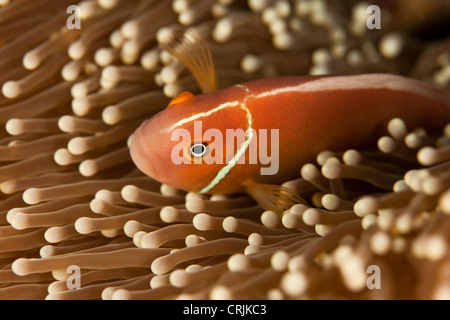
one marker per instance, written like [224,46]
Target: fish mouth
[160,166]
[147,160]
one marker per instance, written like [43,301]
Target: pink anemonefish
[311,114]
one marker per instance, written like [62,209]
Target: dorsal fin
[193,51]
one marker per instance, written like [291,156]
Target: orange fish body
[309,114]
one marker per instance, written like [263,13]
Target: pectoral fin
[273,197]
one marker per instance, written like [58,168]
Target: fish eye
[198,149]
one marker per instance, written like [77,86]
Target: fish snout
[159,167]
[149,156]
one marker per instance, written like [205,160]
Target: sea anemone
[71,196]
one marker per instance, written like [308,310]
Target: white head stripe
[225,169]
[230,165]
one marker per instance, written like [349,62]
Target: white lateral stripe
[203,114]
[365,81]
